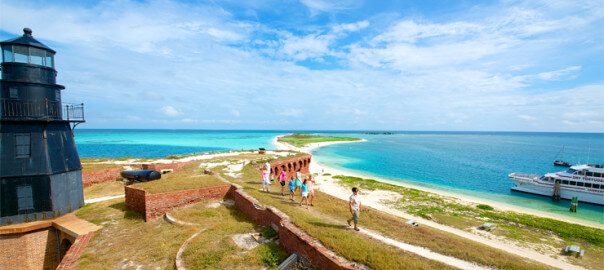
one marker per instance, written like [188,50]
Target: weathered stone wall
[291,166]
[100,176]
[30,250]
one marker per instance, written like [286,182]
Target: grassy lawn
[301,140]
[127,242]
[525,228]
[214,248]
[188,177]
[95,167]
[325,222]
[109,188]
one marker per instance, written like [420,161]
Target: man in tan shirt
[355,208]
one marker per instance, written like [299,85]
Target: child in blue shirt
[291,188]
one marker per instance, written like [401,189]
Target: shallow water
[473,164]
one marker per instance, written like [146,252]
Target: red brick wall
[158,167]
[68,262]
[135,199]
[292,238]
[156,205]
[291,166]
[31,250]
[100,176]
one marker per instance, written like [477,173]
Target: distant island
[379,133]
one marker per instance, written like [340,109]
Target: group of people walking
[296,184]
[307,192]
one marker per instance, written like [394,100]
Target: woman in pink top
[282,182]
[311,189]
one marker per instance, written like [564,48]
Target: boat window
[581,173]
[587,185]
[571,171]
[589,173]
[565,182]
[597,174]
[573,183]
[596,186]
[579,184]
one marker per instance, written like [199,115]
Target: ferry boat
[586,182]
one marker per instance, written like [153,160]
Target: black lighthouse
[40,170]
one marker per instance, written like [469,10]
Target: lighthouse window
[7,52]
[25,200]
[21,54]
[49,61]
[37,56]
[13,92]
[23,145]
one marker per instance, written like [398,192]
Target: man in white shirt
[355,208]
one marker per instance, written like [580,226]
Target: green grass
[301,140]
[568,231]
[95,167]
[188,177]
[109,188]
[325,222]
[213,248]
[426,205]
[126,239]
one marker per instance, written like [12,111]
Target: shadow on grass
[327,225]
[128,214]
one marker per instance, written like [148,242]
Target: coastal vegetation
[326,222]
[512,225]
[302,139]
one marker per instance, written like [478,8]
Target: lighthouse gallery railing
[46,110]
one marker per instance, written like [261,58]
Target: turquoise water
[474,164]
[161,143]
[469,163]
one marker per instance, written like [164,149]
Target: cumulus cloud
[170,111]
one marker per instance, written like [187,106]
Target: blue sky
[328,65]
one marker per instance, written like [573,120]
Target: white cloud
[328,5]
[527,117]
[290,112]
[235,113]
[170,111]
[350,27]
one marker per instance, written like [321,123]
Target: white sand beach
[379,199]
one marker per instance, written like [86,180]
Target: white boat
[586,182]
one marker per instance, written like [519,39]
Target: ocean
[473,164]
